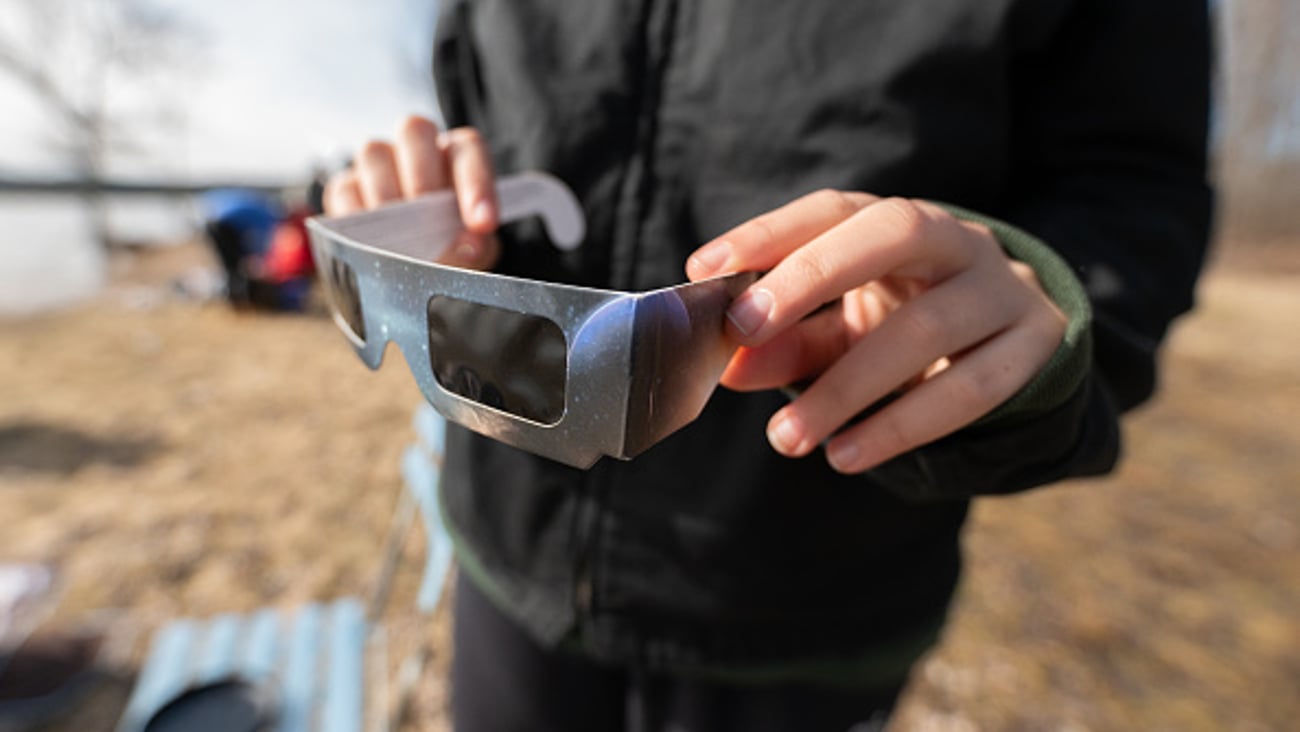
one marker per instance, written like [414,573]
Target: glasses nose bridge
[394,316]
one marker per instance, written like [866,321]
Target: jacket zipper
[652,55]
[582,591]
[582,531]
[590,498]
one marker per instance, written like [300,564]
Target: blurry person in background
[281,279]
[263,246]
[975,221]
[239,224]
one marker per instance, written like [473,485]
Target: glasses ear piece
[539,194]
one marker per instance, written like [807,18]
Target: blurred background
[164,454]
[169,94]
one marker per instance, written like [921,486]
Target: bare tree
[1259,115]
[99,68]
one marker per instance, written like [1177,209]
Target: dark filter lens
[346,296]
[503,359]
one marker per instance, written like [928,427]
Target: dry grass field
[177,458]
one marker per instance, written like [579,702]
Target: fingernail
[786,435]
[843,456]
[710,259]
[467,249]
[482,213]
[749,311]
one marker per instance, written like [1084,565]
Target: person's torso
[674,120]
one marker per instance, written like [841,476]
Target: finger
[890,237]
[761,242]
[376,168]
[797,353]
[471,175]
[473,251]
[943,321]
[970,388]
[421,166]
[342,193]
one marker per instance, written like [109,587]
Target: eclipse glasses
[570,373]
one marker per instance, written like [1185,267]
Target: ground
[174,457]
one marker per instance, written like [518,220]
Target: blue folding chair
[313,660]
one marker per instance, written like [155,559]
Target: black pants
[502,681]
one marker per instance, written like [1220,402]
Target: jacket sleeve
[1110,110]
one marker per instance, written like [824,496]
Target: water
[48,256]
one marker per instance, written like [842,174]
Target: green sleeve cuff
[1069,365]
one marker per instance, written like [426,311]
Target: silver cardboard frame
[638,366]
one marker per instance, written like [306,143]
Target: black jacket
[1081,121]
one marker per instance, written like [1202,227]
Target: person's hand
[420,160]
[868,297]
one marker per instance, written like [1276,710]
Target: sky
[274,86]
[278,84]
